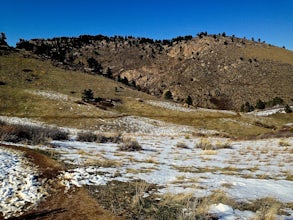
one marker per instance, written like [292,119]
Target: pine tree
[168,95]
[87,95]
[188,100]
[260,104]
[288,109]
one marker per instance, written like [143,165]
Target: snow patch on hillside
[51,95]
[179,107]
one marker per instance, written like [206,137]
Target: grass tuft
[182,145]
[130,145]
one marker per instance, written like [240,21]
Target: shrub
[131,145]
[87,95]
[30,134]
[57,134]
[182,145]
[204,144]
[86,137]
[188,100]
[247,107]
[275,101]
[168,95]
[288,109]
[260,104]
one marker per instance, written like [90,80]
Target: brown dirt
[75,204]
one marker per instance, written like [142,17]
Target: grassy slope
[270,53]
[15,100]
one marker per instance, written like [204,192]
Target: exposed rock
[221,72]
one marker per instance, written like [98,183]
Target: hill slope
[36,89]
[216,71]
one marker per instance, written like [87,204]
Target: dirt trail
[75,204]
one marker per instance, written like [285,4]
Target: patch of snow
[181,108]
[171,106]
[146,126]
[51,95]
[267,112]
[21,121]
[81,176]
[20,189]
[225,212]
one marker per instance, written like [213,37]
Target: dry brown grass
[209,152]
[17,101]
[270,53]
[102,162]
[265,208]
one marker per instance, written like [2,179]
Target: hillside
[36,89]
[216,71]
[126,154]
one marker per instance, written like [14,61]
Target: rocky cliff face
[214,70]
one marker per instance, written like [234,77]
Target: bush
[29,134]
[275,101]
[168,95]
[130,146]
[260,104]
[87,95]
[205,144]
[246,107]
[182,145]
[86,137]
[188,100]
[288,109]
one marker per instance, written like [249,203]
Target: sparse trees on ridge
[3,39]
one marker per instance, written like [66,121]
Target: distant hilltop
[211,70]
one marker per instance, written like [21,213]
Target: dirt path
[75,204]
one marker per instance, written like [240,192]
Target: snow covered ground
[20,189]
[247,170]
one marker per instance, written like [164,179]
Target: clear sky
[269,20]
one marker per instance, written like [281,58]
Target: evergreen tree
[109,73]
[3,39]
[260,104]
[188,100]
[95,65]
[288,109]
[168,95]
[246,107]
[87,95]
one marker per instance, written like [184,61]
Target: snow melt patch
[268,112]
[225,212]
[181,108]
[21,121]
[170,106]
[146,126]
[20,189]
[51,95]
[82,176]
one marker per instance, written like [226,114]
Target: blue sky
[269,20]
